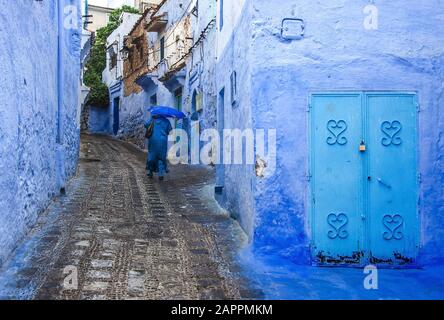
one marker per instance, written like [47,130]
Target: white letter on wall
[210,152]
[178,152]
[70,282]
[371,281]
[371,20]
[71,17]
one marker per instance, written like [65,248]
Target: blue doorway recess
[116,103]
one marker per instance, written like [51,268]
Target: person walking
[158,129]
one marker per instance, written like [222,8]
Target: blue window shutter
[162,49]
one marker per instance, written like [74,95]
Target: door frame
[364,171]
[116,115]
[220,177]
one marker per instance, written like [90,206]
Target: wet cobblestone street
[130,237]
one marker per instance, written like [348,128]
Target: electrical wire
[201,37]
[171,31]
[198,41]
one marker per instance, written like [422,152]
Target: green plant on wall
[99,94]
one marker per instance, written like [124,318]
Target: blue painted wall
[406,52]
[100,119]
[133,110]
[235,55]
[132,116]
[39,130]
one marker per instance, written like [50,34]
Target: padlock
[362,147]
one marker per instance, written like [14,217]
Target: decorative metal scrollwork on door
[391,132]
[337,222]
[393,223]
[336,129]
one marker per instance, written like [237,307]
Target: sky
[111,3]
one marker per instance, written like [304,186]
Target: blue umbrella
[167,112]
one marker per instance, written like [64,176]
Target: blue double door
[364,178]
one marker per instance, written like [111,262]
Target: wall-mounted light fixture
[292,29]
[124,53]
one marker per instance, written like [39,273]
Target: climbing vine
[99,94]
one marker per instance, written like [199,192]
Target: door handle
[384,183]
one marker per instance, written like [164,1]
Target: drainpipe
[216,28]
[86,14]
[118,58]
[59,69]
[60,152]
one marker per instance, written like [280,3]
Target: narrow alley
[221,150]
[128,236]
